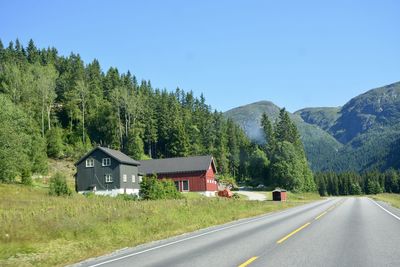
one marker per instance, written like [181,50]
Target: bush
[26,177]
[236,196]
[58,185]
[152,188]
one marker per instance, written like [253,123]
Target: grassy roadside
[295,197]
[392,199]
[39,230]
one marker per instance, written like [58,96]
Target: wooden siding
[210,176]
[200,181]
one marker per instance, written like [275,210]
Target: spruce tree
[268,133]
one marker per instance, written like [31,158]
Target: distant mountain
[320,147]
[377,109]
[363,134]
[324,118]
[249,117]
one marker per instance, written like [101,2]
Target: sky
[294,53]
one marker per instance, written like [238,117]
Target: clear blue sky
[294,53]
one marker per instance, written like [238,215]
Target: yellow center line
[244,264]
[331,208]
[292,233]
[322,214]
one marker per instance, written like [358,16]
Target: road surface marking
[292,233]
[331,208]
[244,264]
[196,236]
[397,217]
[322,214]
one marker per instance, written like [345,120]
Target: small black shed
[279,195]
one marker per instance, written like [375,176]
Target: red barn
[190,174]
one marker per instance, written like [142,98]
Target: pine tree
[32,52]
[134,146]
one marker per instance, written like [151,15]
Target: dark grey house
[107,171]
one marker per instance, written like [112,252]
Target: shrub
[26,177]
[236,196]
[152,188]
[58,185]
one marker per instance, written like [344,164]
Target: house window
[185,185]
[124,178]
[106,162]
[177,185]
[133,178]
[89,163]
[140,178]
[108,178]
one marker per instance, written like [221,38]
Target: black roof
[176,165]
[115,154]
[279,190]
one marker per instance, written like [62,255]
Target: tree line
[353,183]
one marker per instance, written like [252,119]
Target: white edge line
[373,201]
[192,237]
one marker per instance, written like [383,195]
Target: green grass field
[393,199]
[39,230]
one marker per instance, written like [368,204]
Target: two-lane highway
[334,232]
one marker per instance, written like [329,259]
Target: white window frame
[133,178]
[140,178]
[125,178]
[106,162]
[108,178]
[188,186]
[89,163]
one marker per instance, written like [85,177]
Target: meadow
[40,230]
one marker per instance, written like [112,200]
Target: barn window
[106,162]
[185,185]
[124,178]
[133,178]
[108,178]
[89,163]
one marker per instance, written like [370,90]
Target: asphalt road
[334,232]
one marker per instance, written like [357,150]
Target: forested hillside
[368,126]
[59,107]
[62,107]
